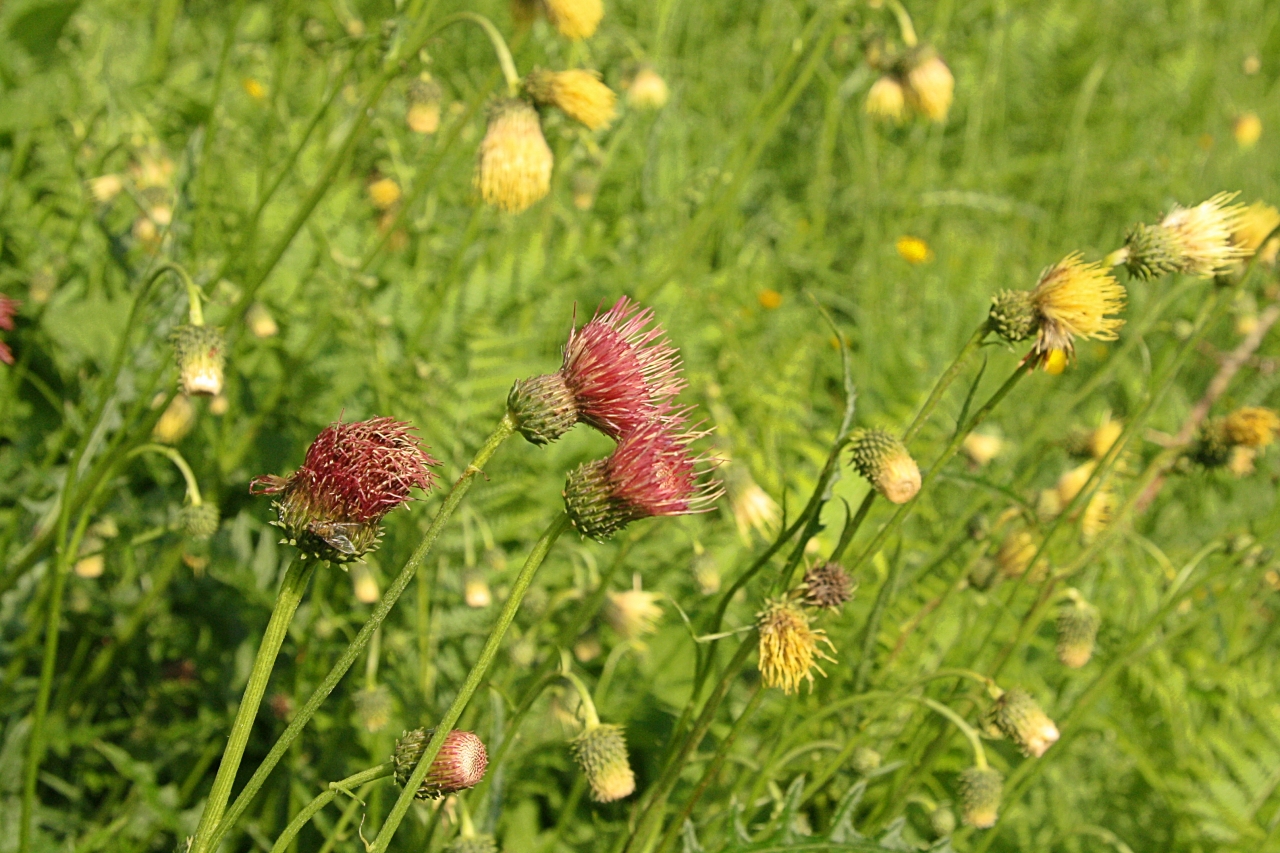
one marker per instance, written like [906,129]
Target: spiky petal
[789,647]
[1073,300]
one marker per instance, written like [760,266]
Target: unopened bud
[865,760]
[1021,719]
[542,407]
[601,752]
[882,459]
[1013,316]
[1077,625]
[980,791]
[459,765]
[200,521]
[201,353]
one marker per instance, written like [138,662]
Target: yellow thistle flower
[1072,300]
[887,100]
[254,89]
[913,250]
[476,592]
[789,648]
[633,613]
[574,19]
[753,509]
[1254,227]
[577,93]
[1247,129]
[1070,483]
[1016,553]
[930,87]
[1252,426]
[769,299]
[105,188]
[514,168]
[1098,513]
[648,91]
[384,193]
[1104,437]
[601,752]
[1240,462]
[176,422]
[1192,240]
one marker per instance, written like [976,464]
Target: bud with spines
[865,760]
[200,521]
[459,765]
[1012,316]
[1077,628]
[201,354]
[828,585]
[882,458]
[980,792]
[1152,251]
[601,752]
[542,407]
[1020,718]
[942,822]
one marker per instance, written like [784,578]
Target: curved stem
[504,430]
[979,755]
[584,695]
[193,488]
[499,46]
[290,596]
[309,811]
[478,672]
[908,31]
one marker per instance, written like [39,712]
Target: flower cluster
[353,475]
[918,81]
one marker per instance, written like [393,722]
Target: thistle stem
[499,46]
[193,488]
[287,601]
[979,755]
[478,672]
[905,26]
[503,431]
[944,382]
[584,695]
[309,811]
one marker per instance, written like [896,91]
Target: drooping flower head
[619,373]
[930,86]
[460,763]
[201,354]
[1077,628]
[1192,240]
[514,166]
[8,308]
[887,100]
[574,19]
[353,475]
[601,752]
[577,93]
[648,91]
[883,459]
[828,585]
[1020,719]
[650,473]
[789,647]
[980,792]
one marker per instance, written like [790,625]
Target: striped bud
[601,752]
[460,764]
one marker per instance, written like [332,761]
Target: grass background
[1071,121]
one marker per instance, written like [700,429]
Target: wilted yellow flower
[886,99]
[254,89]
[981,448]
[574,19]
[789,648]
[1247,129]
[514,167]
[914,250]
[1254,226]
[176,422]
[1016,552]
[577,93]
[930,87]
[633,613]
[648,91]
[1192,240]
[1072,300]
[384,193]
[1252,426]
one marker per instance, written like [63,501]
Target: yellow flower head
[384,193]
[1255,226]
[1247,129]
[648,91]
[753,509]
[1101,439]
[254,89]
[981,447]
[789,648]
[1072,300]
[930,87]
[914,250]
[574,19]
[514,168]
[176,422]
[1202,235]
[577,93]
[1097,514]
[1252,426]
[633,613]
[886,99]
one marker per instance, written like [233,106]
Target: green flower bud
[980,790]
[601,752]
[1077,625]
[882,459]
[1013,316]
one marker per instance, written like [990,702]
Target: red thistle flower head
[650,473]
[8,308]
[353,475]
[619,373]
[460,763]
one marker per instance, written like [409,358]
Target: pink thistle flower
[8,308]
[353,475]
[650,473]
[619,373]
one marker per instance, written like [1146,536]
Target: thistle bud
[259,320]
[542,407]
[887,100]
[176,422]
[789,647]
[942,822]
[364,584]
[459,765]
[353,475]
[577,93]
[476,592]
[423,97]
[883,460]
[1077,627]
[651,473]
[828,585]
[865,760]
[514,166]
[1021,719]
[373,709]
[1251,426]
[981,448]
[648,91]
[1152,251]
[200,521]
[574,19]
[201,354]
[1016,553]
[980,790]
[633,613]
[1192,240]
[930,86]
[984,574]
[1102,439]
[1012,316]
[601,752]
[1212,447]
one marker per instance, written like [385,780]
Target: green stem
[905,26]
[944,382]
[309,811]
[975,742]
[504,430]
[193,488]
[287,601]
[499,46]
[591,718]
[477,674]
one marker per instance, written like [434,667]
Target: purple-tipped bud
[459,765]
